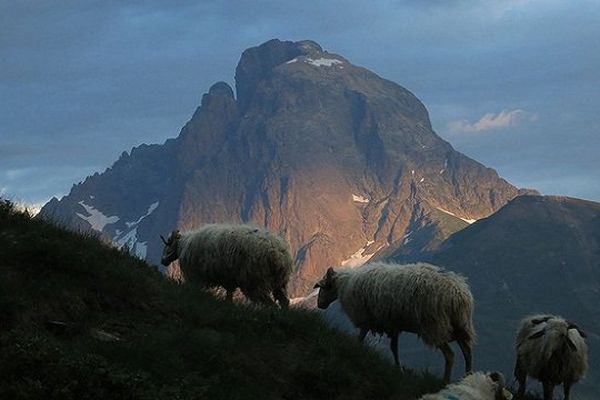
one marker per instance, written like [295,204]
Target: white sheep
[418,298]
[233,256]
[551,350]
[477,386]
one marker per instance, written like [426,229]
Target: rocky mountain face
[341,162]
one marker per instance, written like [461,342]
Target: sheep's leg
[361,335]
[548,390]
[394,346]
[465,348]
[260,297]
[521,377]
[281,296]
[449,357]
[567,389]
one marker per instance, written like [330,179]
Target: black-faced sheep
[551,350]
[233,256]
[477,386]
[418,298]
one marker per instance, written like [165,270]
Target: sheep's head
[328,292]
[501,393]
[561,330]
[171,250]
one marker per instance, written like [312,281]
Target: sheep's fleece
[477,386]
[418,298]
[251,258]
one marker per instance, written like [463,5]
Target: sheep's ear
[330,273]
[538,335]
[571,344]
[537,321]
[163,240]
[496,377]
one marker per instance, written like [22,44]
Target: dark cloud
[82,81]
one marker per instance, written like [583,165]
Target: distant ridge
[536,254]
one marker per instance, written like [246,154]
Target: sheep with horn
[420,298]
[255,260]
[551,350]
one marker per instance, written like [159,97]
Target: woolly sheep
[551,350]
[233,256]
[477,386]
[419,298]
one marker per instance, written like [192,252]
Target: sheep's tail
[281,261]
[463,305]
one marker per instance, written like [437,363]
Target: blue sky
[513,84]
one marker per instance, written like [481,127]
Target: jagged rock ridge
[341,162]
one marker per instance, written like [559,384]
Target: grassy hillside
[81,320]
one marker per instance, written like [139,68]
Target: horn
[572,325]
[163,239]
[506,394]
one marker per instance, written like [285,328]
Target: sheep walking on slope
[552,351]
[477,386]
[418,298]
[233,256]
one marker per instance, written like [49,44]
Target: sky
[512,84]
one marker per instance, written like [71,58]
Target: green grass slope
[81,320]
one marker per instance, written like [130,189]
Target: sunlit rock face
[341,162]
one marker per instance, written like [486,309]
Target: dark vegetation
[82,320]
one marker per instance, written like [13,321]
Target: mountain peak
[257,63]
[221,89]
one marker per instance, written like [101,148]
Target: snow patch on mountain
[130,240]
[96,218]
[407,237]
[467,220]
[152,207]
[323,62]
[359,199]
[359,258]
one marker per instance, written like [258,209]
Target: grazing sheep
[253,259]
[418,298]
[552,351]
[477,386]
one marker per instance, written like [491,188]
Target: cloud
[504,120]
